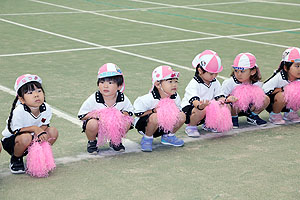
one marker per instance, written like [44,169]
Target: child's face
[243,75]
[169,86]
[294,71]
[33,98]
[108,88]
[207,77]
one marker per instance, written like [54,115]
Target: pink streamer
[40,159]
[292,95]
[248,94]
[112,125]
[218,116]
[167,114]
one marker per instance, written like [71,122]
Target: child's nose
[35,93]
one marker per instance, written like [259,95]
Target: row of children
[30,115]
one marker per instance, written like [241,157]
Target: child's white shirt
[229,84]
[22,117]
[150,101]
[278,81]
[96,102]
[197,89]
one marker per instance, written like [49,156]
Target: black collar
[284,75]
[200,80]
[156,95]
[100,99]
[42,108]
[236,80]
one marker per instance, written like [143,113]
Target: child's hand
[231,99]
[43,136]
[40,134]
[200,105]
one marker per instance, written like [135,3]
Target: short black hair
[117,79]
[197,71]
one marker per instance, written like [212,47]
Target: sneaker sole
[290,120]
[93,153]
[16,172]
[121,150]
[146,150]
[276,123]
[193,136]
[262,125]
[175,145]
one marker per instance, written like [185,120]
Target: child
[245,71]
[110,94]
[288,71]
[200,90]
[164,85]
[29,117]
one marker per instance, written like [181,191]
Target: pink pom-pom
[36,161]
[49,160]
[112,125]
[218,116]
[167,114]
[248,94]
[292,95]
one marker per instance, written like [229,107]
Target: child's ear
[120,87]
[284,68]
[199,71]
[21,99]
[253,71]
[156,84]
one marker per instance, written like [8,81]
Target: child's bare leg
[52,134]
[21,143]
[180,122]
[152,125]
[234,110]
[279,102]
[196,116]
[91,129]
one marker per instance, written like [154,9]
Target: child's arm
[38,131]
[200,104]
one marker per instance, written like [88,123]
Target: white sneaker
[192,131]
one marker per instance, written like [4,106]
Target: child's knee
[153,119]
[53,132]
[279,98]
[23,139]
[92,125]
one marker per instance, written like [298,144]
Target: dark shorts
[270,106]
[9,145]
[142,123]
[188,112]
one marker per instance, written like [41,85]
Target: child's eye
[111,82]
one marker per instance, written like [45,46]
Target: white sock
[146,136]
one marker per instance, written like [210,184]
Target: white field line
[117,10]
[280,3]
[98,45]
[160,25]
[219,12]
[148,43]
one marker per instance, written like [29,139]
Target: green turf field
[66,41]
